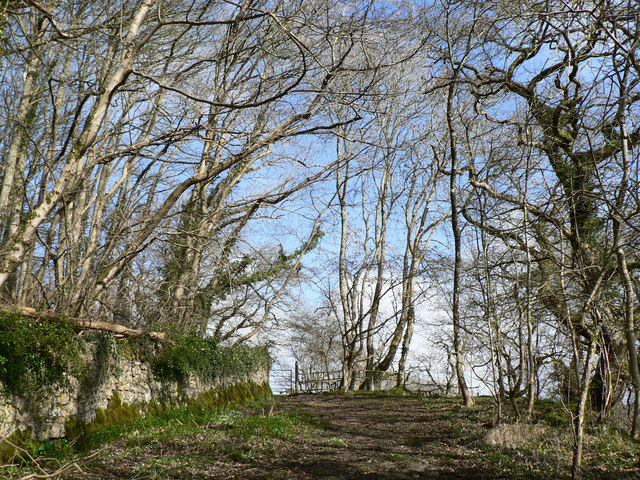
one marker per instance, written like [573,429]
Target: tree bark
[632,338]
[83,323]
[457,245]
[18,243]
[578,441]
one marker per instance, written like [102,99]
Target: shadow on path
[384,438]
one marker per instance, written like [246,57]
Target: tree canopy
[345,168]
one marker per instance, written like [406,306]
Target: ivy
[241,360]
[182,356]
[36,353]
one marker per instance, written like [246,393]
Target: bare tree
[133,115]
[572,122]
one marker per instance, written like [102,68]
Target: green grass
[183,443]
[247,437]
[393,393]
[278,426]
[160,427]
[185,439]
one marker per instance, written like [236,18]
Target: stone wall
[109,373]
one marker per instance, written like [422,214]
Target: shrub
[182,356]
[36,352]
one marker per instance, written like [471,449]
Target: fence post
[296,388]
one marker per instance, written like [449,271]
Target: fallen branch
[42,473]
[83,323]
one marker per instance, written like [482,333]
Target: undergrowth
[161,425]
[256,435]
[120,418]
[35,353]
[180,356]
[542,448]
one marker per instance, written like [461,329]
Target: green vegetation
[7,449]
[20,449]
[323,436]
[182,356]
[192,442]
[36,353]
[393,393]
[538,450]
[107,425]
[144,424]
[280,426]
[121,418]
[193,439]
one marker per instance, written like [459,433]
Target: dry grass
[516,435]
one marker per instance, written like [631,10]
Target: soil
[385,438]
[348,437]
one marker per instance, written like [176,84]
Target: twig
[62,470]
[43,474]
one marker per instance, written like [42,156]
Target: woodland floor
[348,437]
[335,437]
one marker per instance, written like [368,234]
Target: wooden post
[296,388]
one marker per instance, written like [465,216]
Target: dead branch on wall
[82,324]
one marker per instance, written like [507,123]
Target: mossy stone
[8,451]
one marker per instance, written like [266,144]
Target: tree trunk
[83,323]
[457,245]
[408,334]
[632,339]
[17,243]
[578,440]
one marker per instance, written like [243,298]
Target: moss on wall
[120,416]
[8,451]
[117,413]
[77,374]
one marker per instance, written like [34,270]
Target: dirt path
[363,437]
[312,437]
[351,437]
